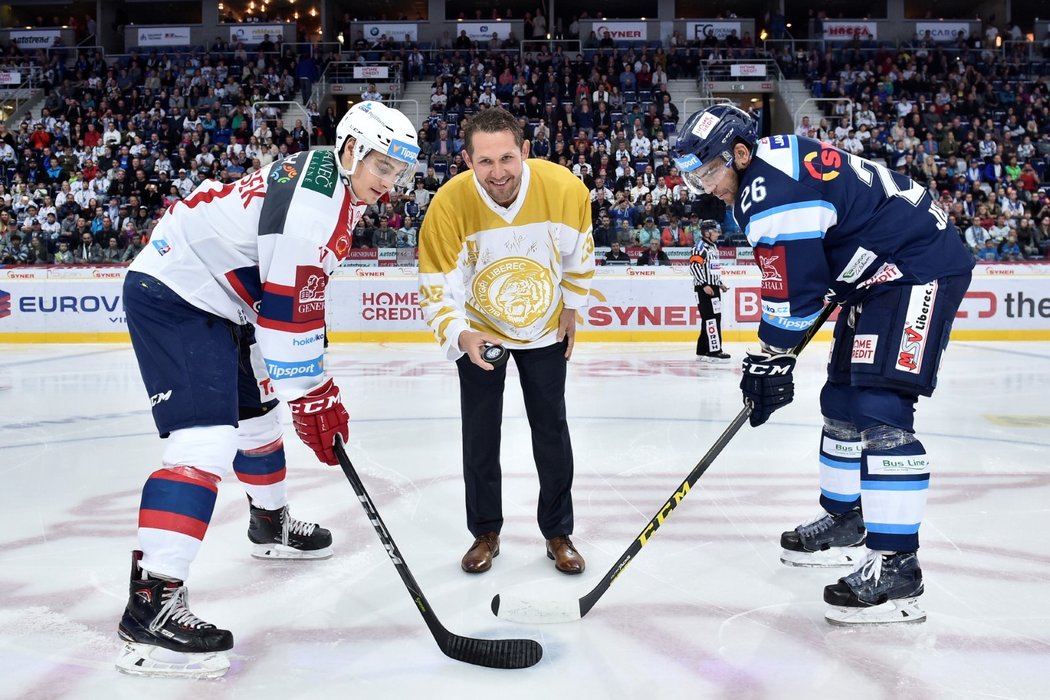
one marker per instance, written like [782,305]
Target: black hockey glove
[767,383]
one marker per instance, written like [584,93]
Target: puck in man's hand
[495,355]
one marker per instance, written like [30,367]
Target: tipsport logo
[687,163]
[5,304]
[403,151]
[290,370]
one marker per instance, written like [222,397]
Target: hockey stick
[521,610]
[494,653]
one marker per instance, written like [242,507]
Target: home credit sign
[748,70]
[371,72]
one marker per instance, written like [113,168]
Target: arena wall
[380,304]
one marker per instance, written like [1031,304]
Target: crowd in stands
[604,114]
[968,122]
[116,143]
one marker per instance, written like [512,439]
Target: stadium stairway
[683,89]
[27,112]
[795,93]
[419,91]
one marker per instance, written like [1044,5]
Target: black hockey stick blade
[516,609]
[493,653]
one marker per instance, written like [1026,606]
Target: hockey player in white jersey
[226,310]
[828,225]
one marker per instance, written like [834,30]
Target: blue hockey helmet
[704,144]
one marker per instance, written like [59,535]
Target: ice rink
[706,610]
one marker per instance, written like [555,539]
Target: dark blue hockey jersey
[828,224]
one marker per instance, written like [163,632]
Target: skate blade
[832,557]
[891,612]
[282,551]
[713,360]
[149,660]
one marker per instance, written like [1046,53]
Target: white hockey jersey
[260,250]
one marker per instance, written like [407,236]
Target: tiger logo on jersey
[517,291]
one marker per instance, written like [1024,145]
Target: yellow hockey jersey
[506,271]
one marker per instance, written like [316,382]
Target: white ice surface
[706,610]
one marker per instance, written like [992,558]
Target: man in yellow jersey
[506,258]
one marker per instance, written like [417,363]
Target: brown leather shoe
[566,559]
[478,558]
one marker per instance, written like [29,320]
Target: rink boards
[380,304]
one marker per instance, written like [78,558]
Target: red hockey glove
[318,417]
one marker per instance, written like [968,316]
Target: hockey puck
[495,355]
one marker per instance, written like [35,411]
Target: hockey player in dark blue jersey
[830,226]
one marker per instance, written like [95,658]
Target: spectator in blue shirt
[306,72]
[208,122]
[222,134]
[623,211]
[989,253]
[1010,250]
[627,79]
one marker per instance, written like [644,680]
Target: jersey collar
[354,201]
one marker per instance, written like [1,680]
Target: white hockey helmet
[376,127]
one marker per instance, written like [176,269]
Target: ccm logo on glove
[767,383]
[767,370]
[318,417]
[316,405]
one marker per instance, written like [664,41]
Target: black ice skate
[277,535]
[883,589]
[162,637]
[826,540]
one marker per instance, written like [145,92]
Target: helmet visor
[393,172]
[704,179]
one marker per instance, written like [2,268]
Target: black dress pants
[542,373]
